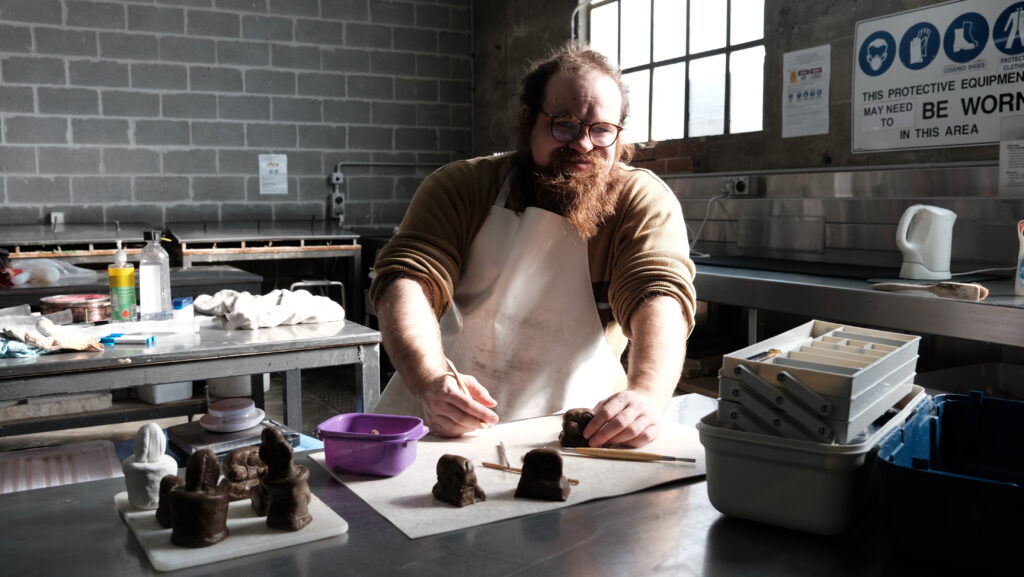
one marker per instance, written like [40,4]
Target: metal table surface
[998,319]
[672,530]
[75,243]
[221,242]
[213,351]
[185,282]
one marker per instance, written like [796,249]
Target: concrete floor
[325,392]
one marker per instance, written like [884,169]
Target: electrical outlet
[338,204]
[56,218]
[337,178]
[739,186]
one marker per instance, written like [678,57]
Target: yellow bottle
[121,279]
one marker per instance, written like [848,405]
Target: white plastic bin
[813,487]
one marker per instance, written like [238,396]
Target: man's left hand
[625,419]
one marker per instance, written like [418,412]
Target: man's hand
[625,419]
[449,412]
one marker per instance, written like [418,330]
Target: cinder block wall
[157,111]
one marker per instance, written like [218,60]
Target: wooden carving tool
[623,454]
[462,385]
[518,471]
[948,289]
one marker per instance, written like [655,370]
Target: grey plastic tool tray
[832,359]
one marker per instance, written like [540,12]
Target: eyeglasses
[568,128]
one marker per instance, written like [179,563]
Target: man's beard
[585,199]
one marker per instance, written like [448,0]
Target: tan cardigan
[640,252]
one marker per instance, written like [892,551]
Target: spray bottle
[1018,280]
[154,280]
[121,279]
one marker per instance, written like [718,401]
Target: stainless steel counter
[671,530]
[998,319]
[212,352]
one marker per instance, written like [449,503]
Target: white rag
[279,307]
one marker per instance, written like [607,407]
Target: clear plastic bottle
[121,280]
[154,280]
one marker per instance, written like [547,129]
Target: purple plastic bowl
[368,444]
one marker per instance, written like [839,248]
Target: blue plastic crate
[953,482]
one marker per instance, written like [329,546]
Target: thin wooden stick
[516,471]
[462,385]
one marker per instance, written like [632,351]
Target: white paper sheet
[407,502]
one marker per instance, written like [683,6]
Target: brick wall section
[672,156]
[157,111]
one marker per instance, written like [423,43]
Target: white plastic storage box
[820,381]
[165,393]
[804,485]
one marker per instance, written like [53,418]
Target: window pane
[604,31]
[707,96]
[636,32]
[669,103]
[639,85]
[669,29]
[746,88]
[707,25]
[747,21]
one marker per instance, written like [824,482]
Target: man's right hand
[451,413]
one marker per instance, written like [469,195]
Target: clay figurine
[199,508]
[573,423]
[163,510]
[284,488]
[144,469]
[542,477]
[242,471]
[456,481]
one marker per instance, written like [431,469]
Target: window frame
[587,6]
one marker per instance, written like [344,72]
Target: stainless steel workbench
[185,282]
[74,243]
[673,530]
[998,319]
[212,352]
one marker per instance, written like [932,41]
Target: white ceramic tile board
[248,534]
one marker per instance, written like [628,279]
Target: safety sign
[941,76]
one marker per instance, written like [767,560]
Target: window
[693,67]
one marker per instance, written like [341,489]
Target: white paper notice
[273,174]
[805,91]
[1011,156]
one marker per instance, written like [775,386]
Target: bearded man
[530,272]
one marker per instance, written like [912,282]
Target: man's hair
[573,58]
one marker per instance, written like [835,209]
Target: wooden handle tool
[517,471]
[948,289]
[462,385]
[624,454]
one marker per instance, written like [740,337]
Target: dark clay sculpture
[242,471]
[199,508]
[573,423]
[542,477]
[163,508]
[456,482]
[284,489]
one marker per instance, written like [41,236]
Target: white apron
[524,320]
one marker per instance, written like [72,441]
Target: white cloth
[242,310]
[524,320]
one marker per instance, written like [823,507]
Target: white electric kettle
[925,237]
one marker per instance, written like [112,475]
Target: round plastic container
[368,444]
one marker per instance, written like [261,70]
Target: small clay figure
[542,477]
[144,469]
[284,488]
[163,509]
[242,471]
[456,482]
[573,423]
[199,508]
